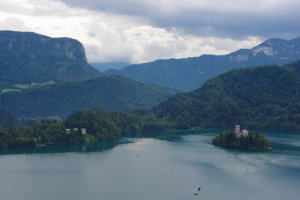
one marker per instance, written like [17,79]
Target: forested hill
[27,58]
[107,92]
[102,67]
[190,73]
[260,97]
[295,66]
[7,119]
[265,97]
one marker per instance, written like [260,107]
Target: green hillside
[7,119]
[261,97]
[256,98]
[27,58]
[107,92]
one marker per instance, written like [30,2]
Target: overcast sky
[144,30]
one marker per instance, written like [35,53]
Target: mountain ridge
[27,57]
[190,73]
[104,66]
[64,48]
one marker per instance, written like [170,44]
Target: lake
[149,168]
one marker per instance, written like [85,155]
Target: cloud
[140,31]
[220,18]
[11,23]
[14,7]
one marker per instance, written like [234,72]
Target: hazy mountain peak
[274,41]
[103,66]
[184,73]
[295,40]
[239,58]
[268,51]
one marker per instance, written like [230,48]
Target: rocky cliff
[29,57]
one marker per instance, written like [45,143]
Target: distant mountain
[102,67]
[261,97]
[190,73]
[7,119]
[107,92]
[29,57]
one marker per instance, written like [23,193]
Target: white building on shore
[82,130]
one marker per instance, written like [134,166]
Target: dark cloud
[221,18]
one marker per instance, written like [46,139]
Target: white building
[239,133]
[83,131]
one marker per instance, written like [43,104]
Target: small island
[241,139]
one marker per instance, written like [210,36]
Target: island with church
[242,139]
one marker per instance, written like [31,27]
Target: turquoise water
[147,168]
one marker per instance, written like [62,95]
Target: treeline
[253,140]
[100,125]
[42,133]
[110,125]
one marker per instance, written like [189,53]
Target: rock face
[32,46]
[29,57]
[190,73]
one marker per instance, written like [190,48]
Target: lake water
[148,169]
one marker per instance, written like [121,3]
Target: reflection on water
[85,148]
[100,146]
[165,165]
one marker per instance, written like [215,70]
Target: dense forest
[111,93]
[257,98]
[261,97]
[7,119]
[99,125]
[253,140]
